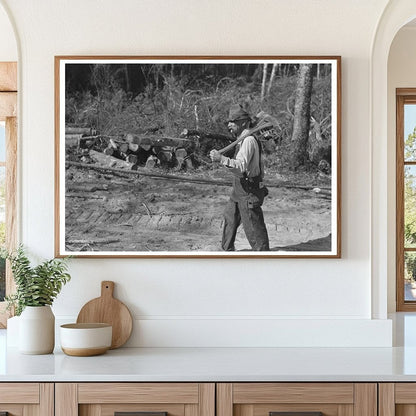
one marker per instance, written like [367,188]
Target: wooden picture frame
[133,137]
[405,166]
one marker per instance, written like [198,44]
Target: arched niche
[396,14]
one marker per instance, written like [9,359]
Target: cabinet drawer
[397,399]
[21,399]
[309,399]
[19,393]
[147,399]
[138,393]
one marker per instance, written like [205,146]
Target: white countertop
[215,364]
[221,364]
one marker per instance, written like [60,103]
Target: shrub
[35,285]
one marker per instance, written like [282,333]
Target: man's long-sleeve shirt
[246,160]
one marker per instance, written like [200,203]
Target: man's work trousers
[253,223]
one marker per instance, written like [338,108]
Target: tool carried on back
[261,128]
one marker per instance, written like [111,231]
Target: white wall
[401,74]
[204,302]
[8,46]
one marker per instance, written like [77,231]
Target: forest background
[164,99]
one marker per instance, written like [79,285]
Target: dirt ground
[110,212]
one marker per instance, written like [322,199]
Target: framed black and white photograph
[198,156]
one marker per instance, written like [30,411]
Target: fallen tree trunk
[72,140]
[180,155]
[133,147]
[151,161]
[132,159]
[73,136]
[86,142]
[123,147]
[109,151]
[94,241]
[143,172]
[214,136]
[81,130]
[159,141]
[110,161]
[87,188]
[83,195]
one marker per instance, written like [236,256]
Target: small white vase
[12,334]
[37,330]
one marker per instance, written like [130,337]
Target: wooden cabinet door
[143,399]
[26,399]
[297,399]
[397,399]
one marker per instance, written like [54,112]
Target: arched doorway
[395,16]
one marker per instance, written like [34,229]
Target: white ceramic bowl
[85,339]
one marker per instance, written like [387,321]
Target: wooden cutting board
[109,310]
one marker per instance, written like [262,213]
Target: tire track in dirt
[153,215]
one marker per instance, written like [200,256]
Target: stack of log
[157,150]
[80,141]
[148,150]
[134,150]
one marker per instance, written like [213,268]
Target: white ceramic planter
[37,330]
[12,334]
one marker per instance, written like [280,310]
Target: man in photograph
[248,190]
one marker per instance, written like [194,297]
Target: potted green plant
[36,289]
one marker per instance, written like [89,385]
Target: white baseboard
[255,332]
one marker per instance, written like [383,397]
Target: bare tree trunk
[272,75]
[287,70]
[127,76]
[196,117]
[263,83]
[157,71]
[302,112]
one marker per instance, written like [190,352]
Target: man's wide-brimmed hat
[237,113]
